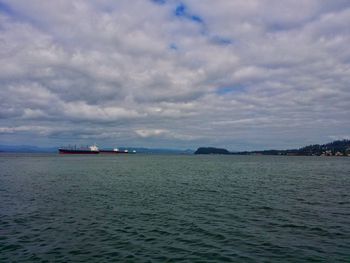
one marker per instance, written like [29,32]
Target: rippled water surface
[147,208]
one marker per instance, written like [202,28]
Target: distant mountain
[35,149]
[26,149]
[211,150]
[340,148]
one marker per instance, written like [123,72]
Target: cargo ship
[73,150]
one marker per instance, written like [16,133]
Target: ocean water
[173,208]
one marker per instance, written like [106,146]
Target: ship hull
[67,151]
[111,152]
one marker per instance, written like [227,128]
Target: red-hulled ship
[73,150]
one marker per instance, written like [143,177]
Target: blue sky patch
[173,46]
[230,90]
[4,8]
[197,19]
[180,10]
[221,40]
[160,2]
[183,12]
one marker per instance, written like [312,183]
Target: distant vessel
[116,151]
[73,150]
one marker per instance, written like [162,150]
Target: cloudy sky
[243,74]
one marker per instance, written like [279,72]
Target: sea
[174,208]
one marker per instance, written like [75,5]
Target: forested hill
[333,148]
[338,148]
[211,150]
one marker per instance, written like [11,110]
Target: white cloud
[257,73]
[151,133]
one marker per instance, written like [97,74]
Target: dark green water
[144,208]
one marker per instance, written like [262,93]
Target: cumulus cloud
[239,74]
[150,133]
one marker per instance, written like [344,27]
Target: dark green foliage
[211,150]
[341,147]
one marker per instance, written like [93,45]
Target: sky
[239,74]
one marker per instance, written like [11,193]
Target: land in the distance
[36,149]
[335,148]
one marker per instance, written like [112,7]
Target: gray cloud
[240,74]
